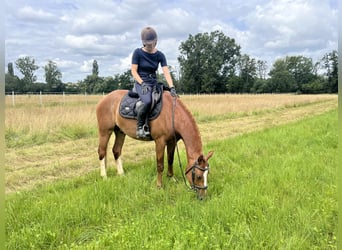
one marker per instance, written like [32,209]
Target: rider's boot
[142,129]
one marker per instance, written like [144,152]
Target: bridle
[194,166]
[193,176]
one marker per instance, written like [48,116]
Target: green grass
[274,189]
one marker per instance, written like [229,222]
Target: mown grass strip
[267,190]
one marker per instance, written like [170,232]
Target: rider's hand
[144,88]
[173,92]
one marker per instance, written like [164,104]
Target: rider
[145,62]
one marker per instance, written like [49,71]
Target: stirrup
[141,133]
[146,129]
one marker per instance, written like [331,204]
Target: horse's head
[197,175]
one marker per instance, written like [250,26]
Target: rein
[193,187]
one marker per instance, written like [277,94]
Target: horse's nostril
[200,196]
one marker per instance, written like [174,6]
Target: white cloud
[123,65]
[65,64]
[30,14]
[81,42]
[95,23]
[75,33]
[178,22]
[287,26]
[87,66]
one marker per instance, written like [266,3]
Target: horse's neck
[188,130]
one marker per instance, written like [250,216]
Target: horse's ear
[210,154]
[201,159]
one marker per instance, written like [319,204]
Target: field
[272,180]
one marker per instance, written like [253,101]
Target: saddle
[131,101]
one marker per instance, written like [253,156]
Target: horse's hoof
[119,173]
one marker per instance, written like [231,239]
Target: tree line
[209,63]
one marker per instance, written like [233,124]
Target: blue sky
[74,33]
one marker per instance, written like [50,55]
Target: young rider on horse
[145,62]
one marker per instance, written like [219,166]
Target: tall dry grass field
[57,111]
[212,105]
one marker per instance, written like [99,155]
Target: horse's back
[109,100]
[107,107]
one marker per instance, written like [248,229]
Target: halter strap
[192,169]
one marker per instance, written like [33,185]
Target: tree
[261,67]
[93,83]
[98,85]
[95,70]
[291,73]
[161,78]
[88,85]
[281,80]
[53,77]
[12,82]
[27,67]
[124,81]
[261,86]
[247,70]
[317,86]
[301,69]
[206,61]
[110,84]
[244,81]
[330,64]
[10,69]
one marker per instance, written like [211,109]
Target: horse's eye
[199,177]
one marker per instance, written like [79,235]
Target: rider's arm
[134,71]
[167,76]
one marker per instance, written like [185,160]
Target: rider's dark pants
[146,98]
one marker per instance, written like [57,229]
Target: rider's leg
[143,111]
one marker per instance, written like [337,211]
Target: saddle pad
[127,108]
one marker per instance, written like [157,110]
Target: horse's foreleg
[160,148]
[104,136]
[103,165]
[170,156]
[119,141]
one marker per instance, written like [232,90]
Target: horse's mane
[191,117]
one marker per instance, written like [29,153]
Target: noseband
[192,169]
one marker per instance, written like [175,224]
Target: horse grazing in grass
[174,122]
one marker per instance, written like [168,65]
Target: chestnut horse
[175,122]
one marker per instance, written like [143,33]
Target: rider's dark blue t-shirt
[148,63]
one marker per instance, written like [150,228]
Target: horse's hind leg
[119,141]
[160,148]
[170,156]
[104,136]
